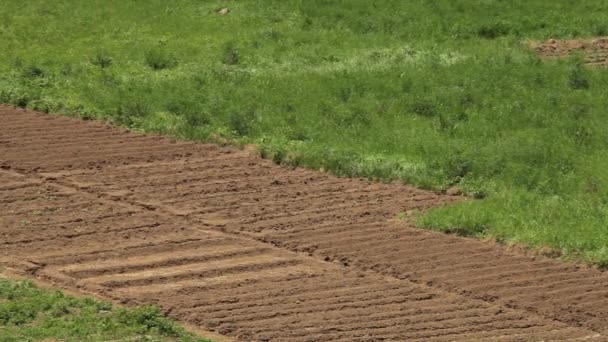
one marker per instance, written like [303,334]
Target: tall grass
[435,93]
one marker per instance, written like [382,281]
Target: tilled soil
[235,245]
[594,51]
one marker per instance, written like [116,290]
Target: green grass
[28,313]
[435,93]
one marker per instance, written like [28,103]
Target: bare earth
[594,51]
[233,244]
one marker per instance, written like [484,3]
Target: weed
[493,30]
[33,71]
[601,30]
[278,156]
[159,59]
[577,79]
[197,119]
[22,101]
[231,55]
[102,60]
[423,108]
[240,123]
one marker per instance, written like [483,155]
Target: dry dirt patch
[595,51]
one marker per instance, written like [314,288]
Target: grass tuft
[159,59]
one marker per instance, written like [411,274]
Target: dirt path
[257,252]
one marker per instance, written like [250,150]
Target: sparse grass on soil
[435,93]
[28,313]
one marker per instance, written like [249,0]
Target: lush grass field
[28,313]
[436,93]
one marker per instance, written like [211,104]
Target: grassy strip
[28,313]
[435,93]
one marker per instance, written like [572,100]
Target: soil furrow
[89,271]
[176,273]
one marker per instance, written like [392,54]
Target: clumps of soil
[595,51]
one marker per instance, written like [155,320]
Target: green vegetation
[436,93]
[28,313]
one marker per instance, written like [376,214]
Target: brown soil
[595,51]
[233,244]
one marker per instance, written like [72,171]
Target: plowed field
[256,252]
